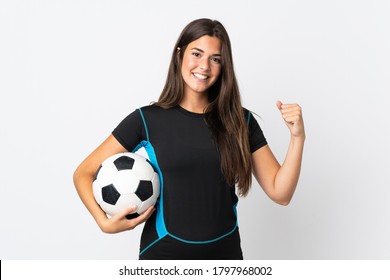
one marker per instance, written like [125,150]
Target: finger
[148,211]
[145,215]
[279,104]
[291,119]
[290,107]
[122,214]
[141,218]
[290,112]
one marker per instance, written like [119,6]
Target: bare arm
[83,178]
[279,181]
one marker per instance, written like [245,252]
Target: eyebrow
[202,51]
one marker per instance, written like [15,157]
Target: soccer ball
[123,180]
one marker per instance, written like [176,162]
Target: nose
[204,64]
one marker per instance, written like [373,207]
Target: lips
[200,76]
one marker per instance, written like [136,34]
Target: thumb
[279,104]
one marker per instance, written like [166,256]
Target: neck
[195,104]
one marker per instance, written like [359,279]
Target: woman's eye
[196,54]
[216,60]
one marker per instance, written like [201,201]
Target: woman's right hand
[119,222]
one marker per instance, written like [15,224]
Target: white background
[70,71]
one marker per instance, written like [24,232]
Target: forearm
[287,176]
[83,184]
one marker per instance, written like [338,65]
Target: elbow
[78,174]
[283,201]
[82,177]
[283,195]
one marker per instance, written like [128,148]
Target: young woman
[206,146]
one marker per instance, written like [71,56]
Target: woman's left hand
[292,115]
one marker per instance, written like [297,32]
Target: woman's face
[201,64]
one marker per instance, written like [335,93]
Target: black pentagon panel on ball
[144,190]
[110,194]
[123,163]
[132,216]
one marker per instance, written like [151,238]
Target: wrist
[298,138]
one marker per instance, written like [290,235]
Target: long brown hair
[224,114]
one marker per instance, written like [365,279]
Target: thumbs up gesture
[292,115]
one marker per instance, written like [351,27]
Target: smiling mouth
[200,76]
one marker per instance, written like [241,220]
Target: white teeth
[200,76]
